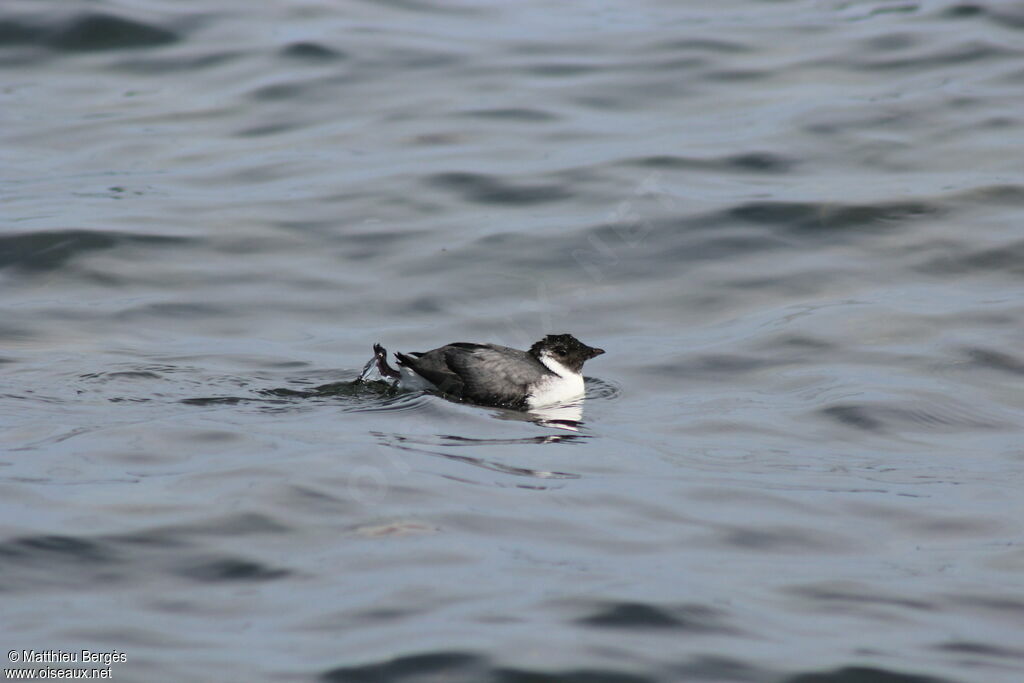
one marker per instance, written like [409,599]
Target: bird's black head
[566,349]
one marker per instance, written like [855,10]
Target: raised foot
[381,354]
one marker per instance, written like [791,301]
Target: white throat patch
[552,364]
[565,386]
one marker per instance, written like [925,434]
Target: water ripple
[601,389]
[87,32]
[405,443]
[51,250]
[638,615]
[881,417]
[489,189]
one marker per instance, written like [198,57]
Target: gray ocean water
[797,228]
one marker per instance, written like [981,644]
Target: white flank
[565,386]
[410,381]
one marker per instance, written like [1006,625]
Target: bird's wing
[493,374]
[433,367]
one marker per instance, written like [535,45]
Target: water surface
[794,227]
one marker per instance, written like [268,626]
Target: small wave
[969,647]
[109,32]
[402,402]
[221,569]
[996,360]
[42,561]
[1008,258]
[883,417]
[987,195]
[155,66]
[971,51]
[311,51]
[171,310]
[751,162]
[456,665]
[512,114]
[44,548]
[355,396]
[810,216]
[86,32]
[215,400]
[711,45]
[861,674]
[311,90]
[640,615]
[57,560]
[487,189]
[51,250]
[103,377]
[828,596]
[602,389]
[450,665]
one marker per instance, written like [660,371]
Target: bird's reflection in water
[567,416]
[416,444]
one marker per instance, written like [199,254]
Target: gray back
[485,373]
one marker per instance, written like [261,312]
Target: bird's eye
[560,350]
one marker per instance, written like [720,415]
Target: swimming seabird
[489,374]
